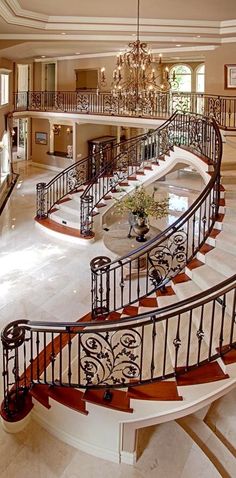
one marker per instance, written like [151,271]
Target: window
[4,89]
[200,79]
[183,78]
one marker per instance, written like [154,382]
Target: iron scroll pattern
[82,103]
[35,101]
[111,357]
[167,260]
[213,108]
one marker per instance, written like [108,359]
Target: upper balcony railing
[222,108]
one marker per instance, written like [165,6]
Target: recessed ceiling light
[178,44]
[43,56]
[63,33]
[198,36]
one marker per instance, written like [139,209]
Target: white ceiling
[55,28]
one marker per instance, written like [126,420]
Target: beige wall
[39,151]
[215,61]
[66,78]
[89,131]
[63,139]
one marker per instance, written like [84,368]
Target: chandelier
[137,77]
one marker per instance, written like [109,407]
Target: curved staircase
[173,352]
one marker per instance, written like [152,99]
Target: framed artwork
[230,77]
[41,138]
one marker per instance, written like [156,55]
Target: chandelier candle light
[137,77]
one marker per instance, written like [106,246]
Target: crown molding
[12,12]
[130,28]
[21,12]
[115,38]
[113,54]
[228,40]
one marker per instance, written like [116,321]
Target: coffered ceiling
[55,28]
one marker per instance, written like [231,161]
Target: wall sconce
[102,76]
[56,128]
[68,130]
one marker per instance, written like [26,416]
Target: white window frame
[190,74]
[4,87]
[198,74]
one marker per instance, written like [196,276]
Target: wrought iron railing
[138,350]
[155,263]
[149,347]
[74,177]
[222,108]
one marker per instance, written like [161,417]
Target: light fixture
[56,128]
[68,130]
[137,77]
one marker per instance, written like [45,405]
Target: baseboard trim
[76,442]
[128,458]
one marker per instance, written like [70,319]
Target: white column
[51,138]
[118,131]
[74,142]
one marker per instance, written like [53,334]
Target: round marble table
[116,240]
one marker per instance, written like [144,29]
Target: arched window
[200,79]
[183,78]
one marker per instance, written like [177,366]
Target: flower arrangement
[142,204]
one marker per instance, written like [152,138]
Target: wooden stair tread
[194,264]
[39,391]
[165,292]
[64,200]
[130,310]
[220,217]
[148,302]
[54,226]
[214,233]
[229,354]
[162,391]
[206,248]
[180,278]
[210,372]
[119,401]
[69,397]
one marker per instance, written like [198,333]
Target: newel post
[40,200]
[100,272]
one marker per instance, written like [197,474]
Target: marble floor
[43,278]
[169,452]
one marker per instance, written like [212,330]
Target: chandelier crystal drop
[137,76]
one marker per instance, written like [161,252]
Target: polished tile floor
[169,453]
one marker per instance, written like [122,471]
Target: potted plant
[140,205]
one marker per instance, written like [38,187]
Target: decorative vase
[141,228]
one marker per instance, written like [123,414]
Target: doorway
[20,139]
[23,84]
[49,77]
